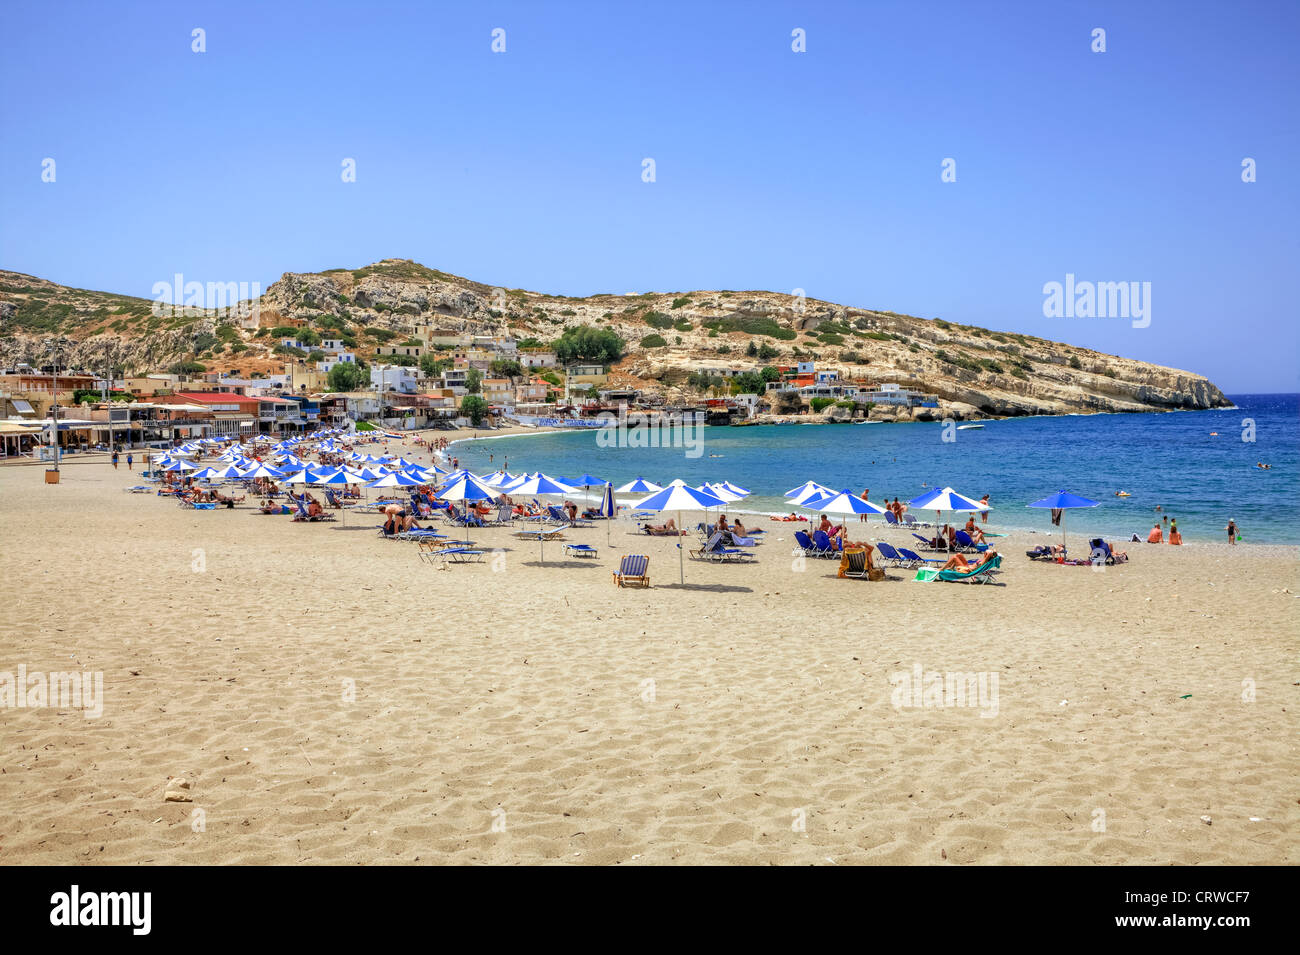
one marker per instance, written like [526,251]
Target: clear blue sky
[775,170]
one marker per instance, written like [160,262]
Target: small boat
[969,427]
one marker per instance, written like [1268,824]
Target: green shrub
[658,320]
[679,302]
[653,341]
[752,325]
[821,404]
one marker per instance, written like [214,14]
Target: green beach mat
[925,574]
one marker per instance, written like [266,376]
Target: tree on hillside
[347,376]
[586,344]
[473,381]
[475,407]
[433,367]
[506,368]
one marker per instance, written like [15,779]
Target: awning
[19,427]
[22,407]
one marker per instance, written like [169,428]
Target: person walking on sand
[862,518]
[114,459]
[1232,532]
[984,515]
[130,461]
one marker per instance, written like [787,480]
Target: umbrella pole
[681,561]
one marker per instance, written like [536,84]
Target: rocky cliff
[974,371]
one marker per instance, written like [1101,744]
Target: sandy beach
[330,698]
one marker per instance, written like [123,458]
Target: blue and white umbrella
[1064,501]
[264,471]
[946,499]
[541,484]
[466,488]
[639,486]
[499,479]
[844,502]
[607,509]
[809,490]
[806,490]
[679,496]
[395,479]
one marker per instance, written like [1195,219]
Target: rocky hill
[669,335]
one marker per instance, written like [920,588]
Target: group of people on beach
[1157,534]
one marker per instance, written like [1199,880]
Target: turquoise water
[1170,460]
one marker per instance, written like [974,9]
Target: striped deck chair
[633,569]
[855,564]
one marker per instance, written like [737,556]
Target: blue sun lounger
[580,550]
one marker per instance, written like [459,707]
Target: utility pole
[54,408]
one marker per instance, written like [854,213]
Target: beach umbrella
[229,471]
[395,479]
[639,486]
[540,485]
[803,490]
[264,471]
[734,489]
[181,466]
[724,491]
[497,478]
[466,488]
[946,499]
[204,474]
[808,491]
[1064,501]
[679,497]
[607,508]
[845,502]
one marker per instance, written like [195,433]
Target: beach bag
[875,573]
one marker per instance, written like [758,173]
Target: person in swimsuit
[1232,531]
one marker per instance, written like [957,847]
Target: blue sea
[1173,460]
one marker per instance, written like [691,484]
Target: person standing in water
[1232,532]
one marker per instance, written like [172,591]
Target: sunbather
[959,561]
[975,533]
[667,529]
[1156,536]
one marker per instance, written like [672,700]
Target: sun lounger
[979,575]
[895,557]
[911,522]
[967,543]
[715,550]
[892,519]
[139,489]
[449,555]
[926,543]
[914,559]
[633,569]
[580,550]
[824,546]
[554,534]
